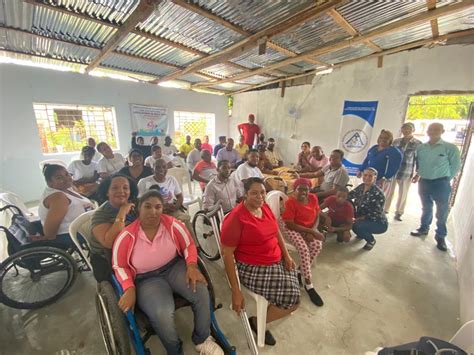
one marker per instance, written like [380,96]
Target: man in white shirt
[222,189]
[169,149]
[85,170]
[155,155]
[247,170]
[170,189]
[111,162]
[194,155]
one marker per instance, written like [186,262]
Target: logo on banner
[355,141]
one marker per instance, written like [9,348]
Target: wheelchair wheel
[112,323]
[35,277]
[207,244]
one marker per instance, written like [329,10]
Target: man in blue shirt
[437,163]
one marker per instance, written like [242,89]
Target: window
[196,124]
[65,128]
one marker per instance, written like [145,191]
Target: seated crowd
[148,242]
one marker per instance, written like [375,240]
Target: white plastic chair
[182,175]
[261,302]
[10,198]
[273,201]
[82,225]
[464,337]
[51,161]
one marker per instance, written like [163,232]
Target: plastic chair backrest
[81,225]
[51,161]
[273,201]
[464,337]
[10,198]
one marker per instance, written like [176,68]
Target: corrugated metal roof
[222,70]
[320,31]
[113,11]
[26,43]
[183,26]
[256,79]
[145,47]
[254,15]
[135,65]
[252,59]
[197,32]
[407,35]
[463,20]
[349,53]
[367,15]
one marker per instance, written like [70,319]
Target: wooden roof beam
[236,28]
[251,41]
[434,23]
[127,55]
[144,9]
[135,31]
[378,32]
[346,26]
[405,47]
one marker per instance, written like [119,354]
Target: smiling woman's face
[119,191]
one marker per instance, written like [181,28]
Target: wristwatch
[119,220]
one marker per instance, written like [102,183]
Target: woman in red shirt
[300,226]
[250,234]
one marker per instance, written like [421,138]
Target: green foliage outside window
[439,107]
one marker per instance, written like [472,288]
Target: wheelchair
[38,273]
[119,329]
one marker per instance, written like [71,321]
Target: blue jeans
[436,191]
[367,229]
[155,298]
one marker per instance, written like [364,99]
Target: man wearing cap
[249,130]
[437,163]
[407,145]
[222,144]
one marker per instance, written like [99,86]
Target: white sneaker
[209,347]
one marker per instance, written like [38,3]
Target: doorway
[455,112]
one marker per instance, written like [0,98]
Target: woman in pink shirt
[153,258]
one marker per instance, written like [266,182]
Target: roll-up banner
[358,119]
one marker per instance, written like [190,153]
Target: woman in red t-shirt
[300,226]
[250,234]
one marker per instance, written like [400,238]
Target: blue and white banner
[357,124]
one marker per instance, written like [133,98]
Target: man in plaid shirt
[407,145]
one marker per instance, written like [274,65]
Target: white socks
[308,286]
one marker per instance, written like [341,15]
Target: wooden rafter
[122,54]
[251,41]
[236,28]
[434,23]
[378,32]
[346,26]
[136,32]
[144,9]
[125,72]
[405,47]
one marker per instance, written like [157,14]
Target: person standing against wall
[407,145]
[437,163]
[249,130]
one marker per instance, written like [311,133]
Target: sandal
[369,245]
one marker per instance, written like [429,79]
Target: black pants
[101,267]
